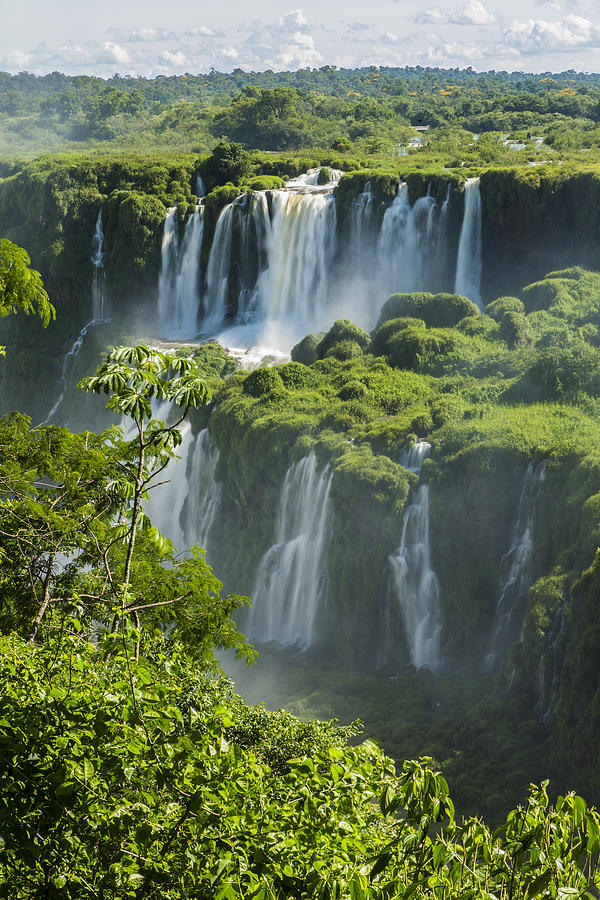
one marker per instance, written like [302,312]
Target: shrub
[345,350]
[381,337]
[502,305]
[265,183]
[296,376]
[353,390]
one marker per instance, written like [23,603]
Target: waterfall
[217,273]
[275,271]
[415,585]
[549,668]
[67,364]
[294,290]
[468,264]
[203,491]
[516,569]
[413,611]
[166,502]
[413,457]
[237,256]
[311,178]
[99,310]
[179,281]
[200,188]
[412,246]
[291,575]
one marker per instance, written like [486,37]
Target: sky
[151,37]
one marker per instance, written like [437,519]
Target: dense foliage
[371,108]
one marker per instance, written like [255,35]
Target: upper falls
[278,269]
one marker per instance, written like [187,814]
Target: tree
[21,286]
[133,567]
[228,162]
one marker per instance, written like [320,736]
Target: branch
[161,603]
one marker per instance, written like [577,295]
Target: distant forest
[371,111]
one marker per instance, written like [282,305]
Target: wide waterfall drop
[292,574]
[468,264]
[516,569]
[412,247]
[99,304]
[179,281]
[294,294]
[204,492]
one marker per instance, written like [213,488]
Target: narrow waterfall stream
[99,300]
[468,263]
[99,315]
[413,612]
[516,569]
[204,491]
[292,573]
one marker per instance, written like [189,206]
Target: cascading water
[292,574]
[99,304]
[549,668]
[275,271]
[204,492]
[67,364]
[413,608]
[200,188]
[179,281]
[516,568]
[311,178]
[416,585]
[294,290]
[468,264]
[413,457]
[412,246]
[237,255]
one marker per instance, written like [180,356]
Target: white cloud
[285,43]
[176,60]
[472,13]
[540,36]
[430,16]
[203,31]
[143,34]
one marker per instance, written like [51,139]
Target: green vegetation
[129,767]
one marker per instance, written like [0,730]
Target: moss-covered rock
[436,310]
[263,381]
[305,351]
[343,331]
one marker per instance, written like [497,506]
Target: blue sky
[147,37]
